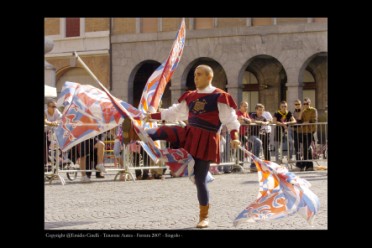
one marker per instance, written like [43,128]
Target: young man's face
[52,106]
[306,104]
[259,111]
[283,107]
[297,105]
[201,78]
[244,107]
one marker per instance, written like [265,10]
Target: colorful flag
[181,163]
[158,80]
[178,161]
[88,111]
[155,85]
[281,194]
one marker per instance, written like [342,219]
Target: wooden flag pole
[141,133]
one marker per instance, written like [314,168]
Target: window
[203,23]
[290,20]
[250,90]
[262,21]
[72,27]
[149,25]
[309,88]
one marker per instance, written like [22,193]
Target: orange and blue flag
[87,112]
[158,80]
[281,194]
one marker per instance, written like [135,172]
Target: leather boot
[129,134]
[203,217]
[126,126]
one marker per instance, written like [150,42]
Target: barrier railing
[296,144]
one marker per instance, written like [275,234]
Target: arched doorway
[138,79]
[219,78]
[73,74]
[263,79]
[314,79]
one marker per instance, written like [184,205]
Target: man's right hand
[235,143]
[52,124]
[147,117]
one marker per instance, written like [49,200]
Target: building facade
[264,60]
[90,37]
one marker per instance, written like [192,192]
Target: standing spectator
[307,115]
[258,119]
[89,154]
[265,135]
[118,146]
[282,118]
[95,156]
[51,119]
[224,150]
[244,120]
[129,138]
[296,135]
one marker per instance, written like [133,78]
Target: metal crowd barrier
[133,158]
[295,144]
[298,143]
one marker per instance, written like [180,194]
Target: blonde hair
[208,70]
[259,105]
[243,103]
[51,101]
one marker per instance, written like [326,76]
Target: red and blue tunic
[202,139]
[206,110]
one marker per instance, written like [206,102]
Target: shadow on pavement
[250,182]
[59,224]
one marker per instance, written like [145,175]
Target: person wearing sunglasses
[296,114]
[305,133]
[283,118]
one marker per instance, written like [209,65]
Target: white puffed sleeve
[228,116]
[176,112]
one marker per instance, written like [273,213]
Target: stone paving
[169,204]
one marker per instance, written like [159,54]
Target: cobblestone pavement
[105,204]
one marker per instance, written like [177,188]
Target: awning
[50,91]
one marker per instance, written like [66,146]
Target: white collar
[208,89]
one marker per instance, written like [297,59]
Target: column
[294,87]
[176,92]
[49,70]
[294,91]
[235,91]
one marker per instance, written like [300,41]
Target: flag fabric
[149,102]
[158,80]
[178,160]
[88,111]
[281,194]
[181,163]
[155,86]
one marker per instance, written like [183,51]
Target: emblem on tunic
[199,106]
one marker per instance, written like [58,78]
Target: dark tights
[201,169]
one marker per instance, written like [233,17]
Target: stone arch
[138,79]
[219,78]
[313,77]
[73,74]
[263,80]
